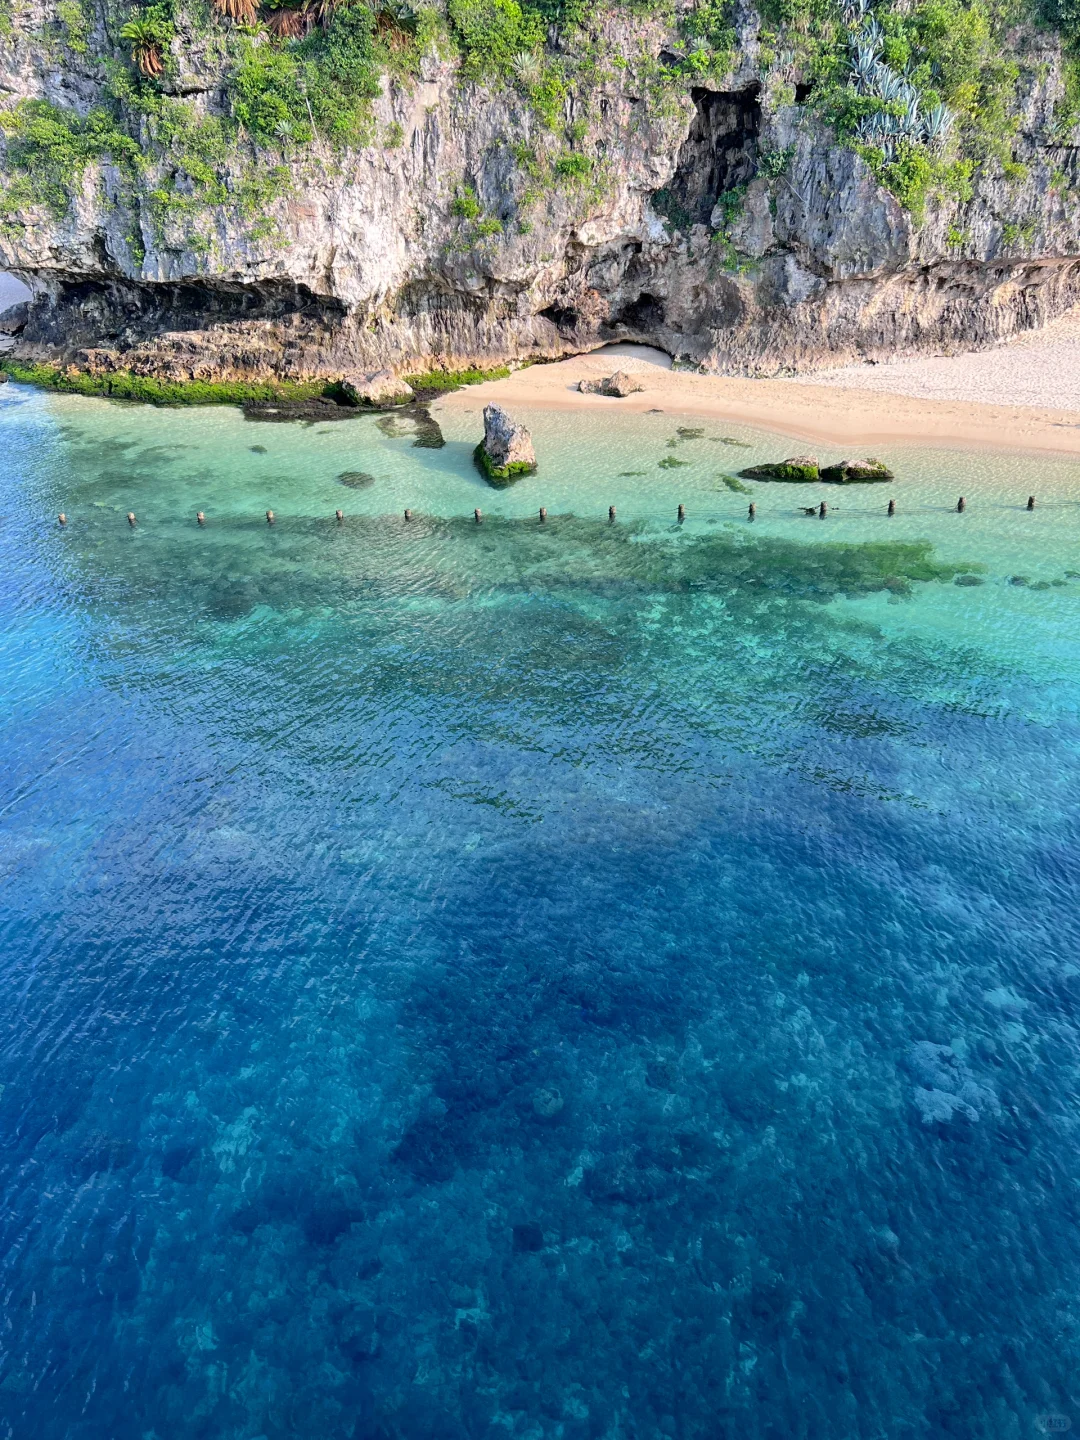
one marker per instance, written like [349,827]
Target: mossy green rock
[500,475]
[802,469]
[856,472]
[797,468]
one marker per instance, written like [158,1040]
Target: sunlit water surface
[582,980]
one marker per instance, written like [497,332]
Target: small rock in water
[257,449]
[619,385]
[528,1238]
[856,472]
[968,580]
[794,468]
[356,479]
[506,450]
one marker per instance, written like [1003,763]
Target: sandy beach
[1020,397]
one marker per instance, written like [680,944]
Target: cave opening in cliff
[563,317]
[643,317]
[77,311]
[719,153]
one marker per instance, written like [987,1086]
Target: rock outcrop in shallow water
[374,262]
[506,451]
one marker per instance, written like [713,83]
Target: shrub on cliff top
[493,34]
[321,87]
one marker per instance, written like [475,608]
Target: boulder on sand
[378,389]
[506,450]
[620,384]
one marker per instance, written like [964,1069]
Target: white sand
[1038,368]
[1023,397]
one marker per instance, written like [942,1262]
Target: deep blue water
[599,981]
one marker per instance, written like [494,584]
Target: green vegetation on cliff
[924,90]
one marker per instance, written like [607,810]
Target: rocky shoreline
[729,228]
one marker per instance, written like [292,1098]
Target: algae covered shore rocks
[804,469]
[506,451]
[795,468]
[856,472]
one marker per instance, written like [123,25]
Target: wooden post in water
[408,514]
[269,517]
[1031,502]
[338,516]
[543,513]
[892,507]
[131,517]
[200,517]
[477,516]
[611,512]
[960,505]
[822,510]
[682,513]
[62,518]
[752,511]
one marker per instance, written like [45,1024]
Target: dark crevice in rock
[563,317]
[719,153]
[643,315]
[72,311]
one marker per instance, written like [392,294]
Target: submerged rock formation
[803,469]
[706,207]
[856,472]
[506,451]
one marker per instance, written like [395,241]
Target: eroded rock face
[369,267]
[507,445]
[13,319]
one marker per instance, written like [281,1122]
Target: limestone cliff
[727,225]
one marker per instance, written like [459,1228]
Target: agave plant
[888,85]
[242,11]
[145,39]
[873,34]
[937,124]
[866,55]
[864,67]
[854,12]
[527,67]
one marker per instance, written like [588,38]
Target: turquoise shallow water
[582,981]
